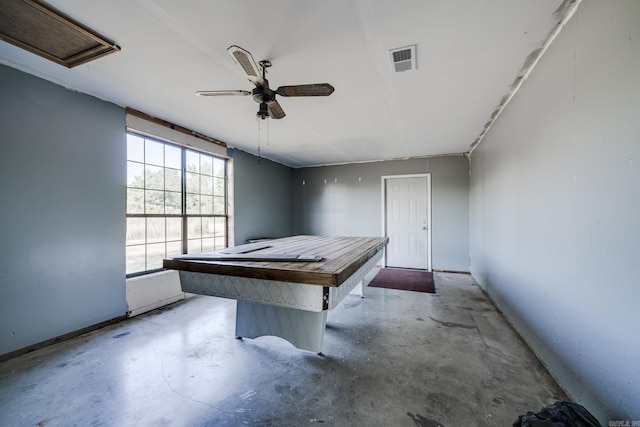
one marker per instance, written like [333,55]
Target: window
[176,202]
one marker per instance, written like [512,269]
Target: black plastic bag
[560,414]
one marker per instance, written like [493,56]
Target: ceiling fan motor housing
[263,94]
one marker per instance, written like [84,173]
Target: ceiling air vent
[403,58]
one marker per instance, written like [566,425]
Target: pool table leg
[304,329]
[358,289]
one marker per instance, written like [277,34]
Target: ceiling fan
[262,94]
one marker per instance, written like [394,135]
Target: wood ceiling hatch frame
[40,29]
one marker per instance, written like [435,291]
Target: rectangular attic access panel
[40,29]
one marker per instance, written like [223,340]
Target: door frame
[384,179]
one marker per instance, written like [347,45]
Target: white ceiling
[468,52]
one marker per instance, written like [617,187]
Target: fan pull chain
[259,134]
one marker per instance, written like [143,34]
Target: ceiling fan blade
[275,110]
[223,93]
[319,89]
[246,62]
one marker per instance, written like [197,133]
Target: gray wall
[262,197]
[62,178]
[350,203]
[555,209]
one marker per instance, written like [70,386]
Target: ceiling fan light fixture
[403,58]
[263,111]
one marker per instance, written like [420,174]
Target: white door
[407,222]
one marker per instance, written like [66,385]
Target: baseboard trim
[452,271]
[74,334]
[525,342]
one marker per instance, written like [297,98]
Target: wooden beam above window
[174,127]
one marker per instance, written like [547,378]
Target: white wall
[555,209]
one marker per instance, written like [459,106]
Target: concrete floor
[395,358]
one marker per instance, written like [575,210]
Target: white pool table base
[296,312]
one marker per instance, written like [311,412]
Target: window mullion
[184,201]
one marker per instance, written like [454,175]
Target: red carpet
[406,280]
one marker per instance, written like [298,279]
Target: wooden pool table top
[338,258]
